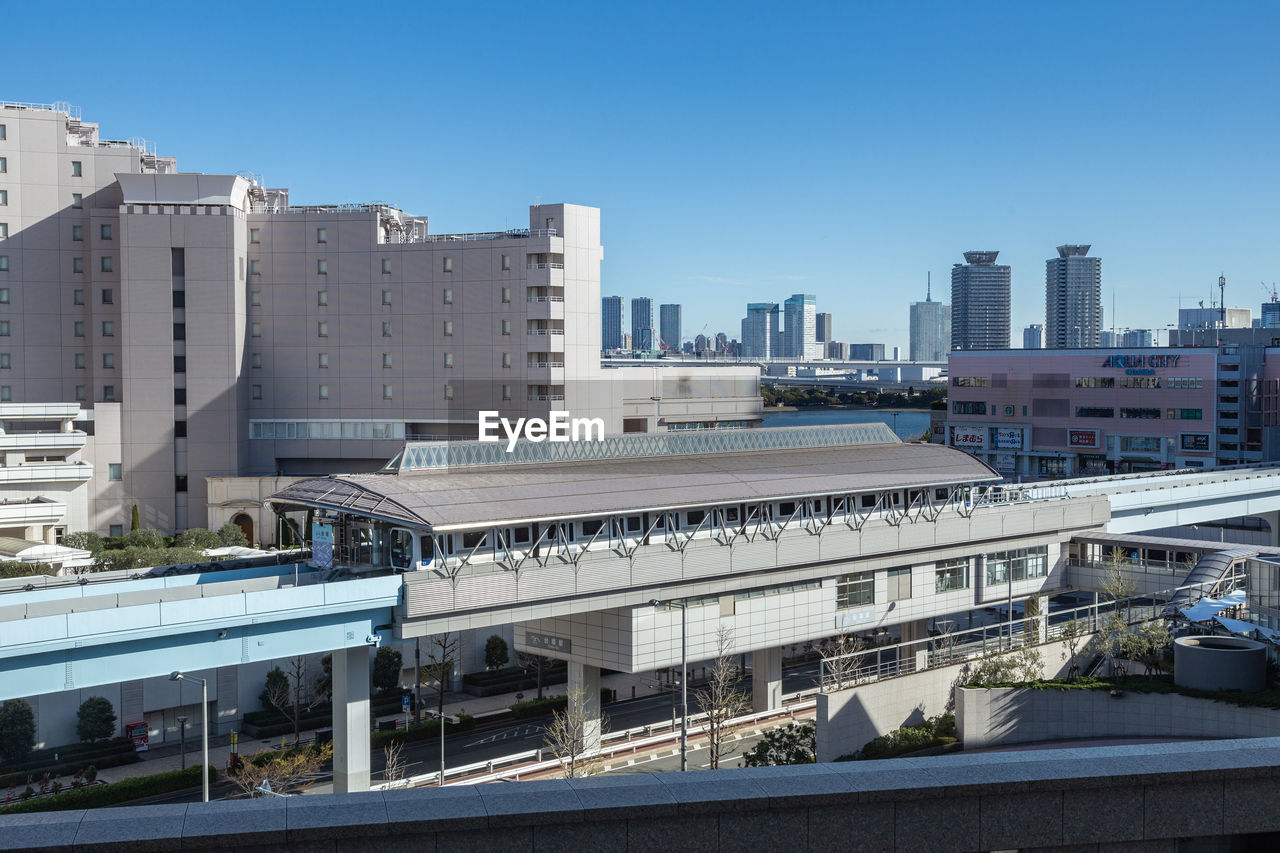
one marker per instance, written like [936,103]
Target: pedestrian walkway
[167,756]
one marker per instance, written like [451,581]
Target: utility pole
[417,680]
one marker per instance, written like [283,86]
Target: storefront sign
[1195,440]
[548,642]
[1010,439]
[322,546]
[968,437]
[1005,463]
[1082,438]
[1140,361]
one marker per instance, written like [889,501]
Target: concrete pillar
[1042,620]
[766,679]
[351,720]
[917,630]
[584,699]
[1273,520]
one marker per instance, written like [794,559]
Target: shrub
[386,668]
[428,730]
[96,719]
[198,538]
[232,535]
[85,540]
[934,731]
[496,653]
[71,758]
[794,743]
[17,730]
[144,537]
[97,796]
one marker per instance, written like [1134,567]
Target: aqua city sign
[1140,365]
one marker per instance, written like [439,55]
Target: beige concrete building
[212,330]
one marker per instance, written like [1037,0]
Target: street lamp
[204,727]
[684,680]
[443,719]
[182,724]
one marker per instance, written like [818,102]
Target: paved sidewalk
[167,756]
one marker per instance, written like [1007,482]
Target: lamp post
[684,680]
[182,726]
[204,728]
[443,718]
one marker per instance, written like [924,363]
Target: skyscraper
[980,303]
[642,336]
[1033,336]
[669,326]
[760,330]
[1072,298]
[611,323]
[824,329]
[930,328]
[800,326]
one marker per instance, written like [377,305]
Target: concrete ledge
[1136,796]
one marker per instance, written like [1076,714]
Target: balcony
[42,440]
[545,308]
[545,240]
[47,472]
[545,372]
[16,512]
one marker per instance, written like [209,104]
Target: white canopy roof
[1206,608]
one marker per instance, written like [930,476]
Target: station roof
[487,495]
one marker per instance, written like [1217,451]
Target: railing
[1158,567]
[546,331]
[509,234]
[545,299]
[73,112]
[544,364]
[543,232]
[545,398]
[545,266]
[945,648]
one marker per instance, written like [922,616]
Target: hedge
[551,704]
[1268,698]
[71,758]
[514,674]
[422,731]
[935,731]
[115,793]
[270,722]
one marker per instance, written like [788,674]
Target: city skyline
[905,199]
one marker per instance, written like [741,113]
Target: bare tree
[290,772]
[841,659]
[1113,628]
[395,763]
[566,736]
[288,694]
[942,645]
[442,654]
[1073,634]
[720,700]
[527,661]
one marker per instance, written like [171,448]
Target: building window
[109,361]
[255,330]
[115,531]
[256,392]
[899,583]
[179,299]
[1095,412]
[506,359]
[180,483]
[448,359]
[179,429]
[322,360]
[386,359]
[179,364]
[77,265]
[1019,565]
[506,294]
[77,327]
[179,396]
[255,235]
[951,575]
[386,266]
[506,262]
[255,266]
[77,169]
[506,327]
[448,392]
[322,329]
[3,133]
[324,392]
[79,361]
[4,164]
[322,297]
[106,263]
[177,261]
[322,266]
[4,361]
[386,297]
[77,233]
[448,264]
[108,296]
[386,330]
[966,407]
[179,331]
[386,392]
[4,291]
[105,232]
[1138,413]
[114,471]
[1185,414]
[108,329]
[448,296]
[855,590]
[77,199]
[255,360]
[255,298]
[79,392]
[448,327]
[4,328]
[4,230]
[322,235]
[77,297]
[4,198]
[6,393]
[109,393]
[506,392]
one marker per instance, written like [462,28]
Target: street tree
[1073,633]
[720,700]
[496,653]
[287,689]
[530,662]
[566,736]
[96,719]
[794,743]
[289,772]
[441,657]
[387,665]
[17,730]
[841,660]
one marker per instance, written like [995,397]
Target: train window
[633,524]
[401,549]
[659,522]
[694,517]
[939,494]
[472,539]
[424,542]
[867,501]
[731,513]
[786,507]
[817,506]
[520,535]
[591,527]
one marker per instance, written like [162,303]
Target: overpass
[682,360]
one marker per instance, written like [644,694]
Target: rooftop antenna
[1222,300]
[928,288]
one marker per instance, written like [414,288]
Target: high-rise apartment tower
[1072,299]
[980,303]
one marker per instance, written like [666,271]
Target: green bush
[231,535]
[198,538]
[17,730]
[16,569]
[428,730]
[71,759]
[517,677]
[96,719]
[144,537]
[549,705]
[934,731]
[123,791]
[85,540]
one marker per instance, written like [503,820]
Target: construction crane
[1271,289]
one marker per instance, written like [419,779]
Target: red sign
[1082,438]
[969,437]
[139,734]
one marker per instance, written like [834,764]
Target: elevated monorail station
[779,535]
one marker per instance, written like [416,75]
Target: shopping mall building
[1080,412]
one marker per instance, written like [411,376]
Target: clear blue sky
[740,152]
